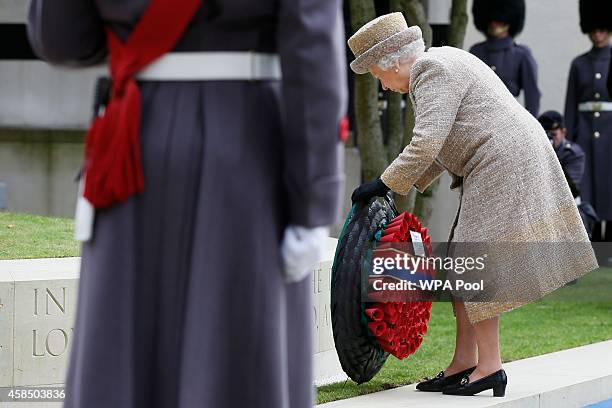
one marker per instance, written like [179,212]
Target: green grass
[552,324]
[33,236]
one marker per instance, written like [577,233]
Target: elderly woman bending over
[511,185]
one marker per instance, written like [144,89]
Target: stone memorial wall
[38,306]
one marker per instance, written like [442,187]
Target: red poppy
[405,323]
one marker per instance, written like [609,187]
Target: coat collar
[600,53]
[499,44]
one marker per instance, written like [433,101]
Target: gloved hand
[301,249]
[366,191]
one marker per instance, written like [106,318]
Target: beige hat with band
[379,37]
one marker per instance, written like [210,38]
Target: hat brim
[361,64]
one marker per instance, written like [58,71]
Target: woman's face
[600,38]
[396,78]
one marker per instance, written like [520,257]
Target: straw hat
[379,37]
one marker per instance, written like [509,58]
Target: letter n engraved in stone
[62,306]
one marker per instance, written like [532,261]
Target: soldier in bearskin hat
[501,21]
[588,111]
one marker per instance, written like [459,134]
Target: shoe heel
[499,390]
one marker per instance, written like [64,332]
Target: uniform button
[597,95]
[596,134]
[598,76]
[597,114]
[493,67]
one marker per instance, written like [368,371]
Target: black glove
[366,191]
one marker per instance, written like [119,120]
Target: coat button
[597,114]
[598,76]
[597,95]
[493,67]
[596,134]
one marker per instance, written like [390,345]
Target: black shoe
[437,383]
[496,381]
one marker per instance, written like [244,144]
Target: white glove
[301,249]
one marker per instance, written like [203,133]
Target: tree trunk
[415,14]
[395,126]
[407,203]
[369,133]
[458,24]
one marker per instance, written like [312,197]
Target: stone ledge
[569,378]
[37,309]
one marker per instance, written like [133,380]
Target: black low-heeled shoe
[440,381]
[496,381]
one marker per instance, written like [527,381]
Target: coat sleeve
[429,176]
[571,104]
[529,82]
[437,98]
[311,48]
[66,31]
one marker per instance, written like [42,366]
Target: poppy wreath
[399,327]
[366,333]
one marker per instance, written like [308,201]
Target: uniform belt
[213,66]
[595,107]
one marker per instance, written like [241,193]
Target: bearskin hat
[595,14]
[511,12]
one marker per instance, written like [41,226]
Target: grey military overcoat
[182,302]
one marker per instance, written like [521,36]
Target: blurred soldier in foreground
[214,179]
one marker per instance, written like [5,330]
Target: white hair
[414,49]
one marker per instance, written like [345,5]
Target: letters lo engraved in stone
[48,348]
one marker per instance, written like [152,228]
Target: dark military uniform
[512,62]
[588,115]
[610,76]
[571,157]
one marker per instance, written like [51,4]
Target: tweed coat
[513,187]
[182,301]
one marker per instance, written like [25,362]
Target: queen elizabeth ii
[512,188]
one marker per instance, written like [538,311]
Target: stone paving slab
[569,378]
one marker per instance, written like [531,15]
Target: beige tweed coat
[513,191]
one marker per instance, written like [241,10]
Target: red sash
[113,168]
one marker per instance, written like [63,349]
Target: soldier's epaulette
[570,147]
